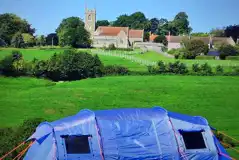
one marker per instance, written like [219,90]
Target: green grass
[215,98]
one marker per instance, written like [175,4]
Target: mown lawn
[215,98]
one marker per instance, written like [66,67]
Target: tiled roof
[152,37]
[112,31]
[136,33]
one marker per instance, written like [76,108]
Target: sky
[46,15]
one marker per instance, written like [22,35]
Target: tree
[181,23]
[102,23]
[195,48]
[232,31]
[217,32]
[154,25]
[200,34]
[10,24]
[71,32]
[52,39]
[161,39]
[41,40]
[227,50]
[17,41]
[136,20]
[146,36]
[28,39]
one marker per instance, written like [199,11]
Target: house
[174,42]
[121,37]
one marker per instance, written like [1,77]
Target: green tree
[10,24]
[181,23]
[154,25]
[52,39]
[227,50]
[195,48]
[102,23]
[18,41]
[161,39]
[217,32]
[146,36]
[41,40]
[71,32]
[200,34]
[232,31]
[28,39]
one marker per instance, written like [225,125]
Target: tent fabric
[125,134]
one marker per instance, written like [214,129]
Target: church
[103,36]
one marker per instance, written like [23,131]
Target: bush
[205,57]
[161,67]
[205,69]
[161,39]
[196,68]
[72,65]
[13,65]
[112,47]
[219,69]
[195,48]
[11,137]
[37,68]
[115,70]
[227,50]
[177,68]
[232,58]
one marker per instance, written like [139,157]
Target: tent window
[193,140]
[77,144]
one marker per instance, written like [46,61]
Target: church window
[89,17]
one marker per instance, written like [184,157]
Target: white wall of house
[173,45]
[133,40]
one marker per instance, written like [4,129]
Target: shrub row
[205,57]
[232,58]
[197,69]
[67,66]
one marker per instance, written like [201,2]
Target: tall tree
[232,31]
[181,24]
[217,32]
[200,34]
[122,21]
[41,40]
[71,32]
[102,23]
[154,25]
[28,39]
[52,39]
[10,24]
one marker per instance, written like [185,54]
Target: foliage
[72,65]
[18,41]
[28,39]
[196,67]
[161,39]
[52,39]
[154,25]
[227,50]
[12,24]
[37,68]
[41,40]
[232,58]
[181,23]
[112,46]
[206,57]
[232,31]
[217,32]
[115,70]
[177,68]
[146,36]
[11,137]
[205,69]
[199,34]
[13,65]
[71,32]
[219,69]
[195,48]
[161,67]
[102,23]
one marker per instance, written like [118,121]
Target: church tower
[90,21]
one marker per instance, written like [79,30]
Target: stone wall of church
[134,40]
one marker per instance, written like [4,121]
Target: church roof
[136,33]
[111,31]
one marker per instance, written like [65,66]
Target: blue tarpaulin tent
[126,134]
